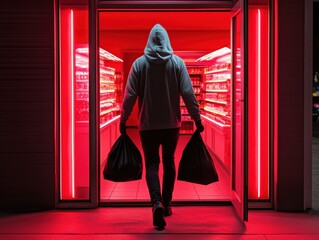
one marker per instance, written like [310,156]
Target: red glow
[180,21]
[66,117]
[258,119]
[72,99]
[217,102]
[74,152]
[188,31]
[259,100]
[275,143]
[74,130]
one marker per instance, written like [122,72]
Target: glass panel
[217,101]
[238,106]
[74,104]
[239,160]
[258,102]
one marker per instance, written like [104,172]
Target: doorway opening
[204,45]
[203,39]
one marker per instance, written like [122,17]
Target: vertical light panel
[67,105]
[72,99]
[258,103]
[74,105]
[258,114]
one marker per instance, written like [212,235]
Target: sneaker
[168,211]
[158,215]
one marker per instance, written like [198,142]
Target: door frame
[93,9]
[149,6]
[240,201]
[143,7]
[94,140]
[92,202]
[308,75]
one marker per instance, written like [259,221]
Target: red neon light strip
[61,175]
[72,100]
[258,100]
[60,122]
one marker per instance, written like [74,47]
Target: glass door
[239,164]
[76,105]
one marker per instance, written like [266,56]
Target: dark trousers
[151,142]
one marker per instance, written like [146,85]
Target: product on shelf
[196,76]
[110,87]
[109,108]
[217,88]
[216,100]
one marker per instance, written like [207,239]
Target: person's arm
[130,96]
[187,93]
[189,98]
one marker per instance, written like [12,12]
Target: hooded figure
[158,79]
[158,48]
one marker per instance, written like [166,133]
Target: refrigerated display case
[109,107]
[81,88]
[74,115]
[216,112]
[217,93]
[110,87]
[196,76]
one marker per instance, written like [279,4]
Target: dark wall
[27,104]
[316,37]
[290,186]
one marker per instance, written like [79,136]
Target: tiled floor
[138,191]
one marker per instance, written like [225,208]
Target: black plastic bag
[196,165]
[124,161]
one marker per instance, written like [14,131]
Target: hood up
[158,48]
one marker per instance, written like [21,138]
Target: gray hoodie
[158,79]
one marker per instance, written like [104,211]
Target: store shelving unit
[110,81]
[109,108]
[217,94]
[216,101]
[196,76]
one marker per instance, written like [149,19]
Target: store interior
[202,40]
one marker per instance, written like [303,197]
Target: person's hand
[122,128]
[199,126]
